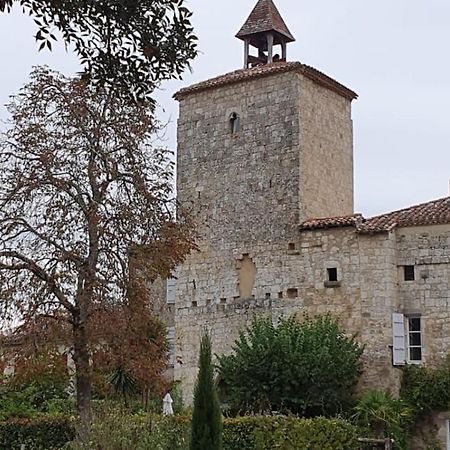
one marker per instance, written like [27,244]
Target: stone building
[265,159]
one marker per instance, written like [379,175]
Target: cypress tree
[206,417]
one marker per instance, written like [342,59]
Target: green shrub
[307,367]
[59,407]
[426,389]
[151,432]
[36,434]
[32,391]
[119,431]
[285,433]
[16,403]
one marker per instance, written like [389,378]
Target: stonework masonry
[250,191]
[253,183]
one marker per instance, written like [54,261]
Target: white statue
[167,405]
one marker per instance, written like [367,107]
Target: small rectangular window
[409,273]
[332,274]
[414,339]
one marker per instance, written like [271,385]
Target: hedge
[267,433]
[36,434]
[149,432]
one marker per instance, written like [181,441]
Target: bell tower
[264,30]
[260,150]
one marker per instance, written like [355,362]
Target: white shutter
[399,342]
[171,285]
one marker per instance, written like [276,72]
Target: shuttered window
[171,285]
[398,345]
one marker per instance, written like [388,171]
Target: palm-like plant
[123,384]
[384,414]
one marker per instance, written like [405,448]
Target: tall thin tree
[206,417]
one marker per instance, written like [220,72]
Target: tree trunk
[82,381]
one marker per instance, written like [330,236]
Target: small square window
[409,273]
[332,274]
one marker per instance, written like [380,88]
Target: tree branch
[40,273]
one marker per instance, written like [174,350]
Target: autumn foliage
[87,221]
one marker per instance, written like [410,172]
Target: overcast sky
[393,53]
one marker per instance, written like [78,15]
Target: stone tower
[260,150]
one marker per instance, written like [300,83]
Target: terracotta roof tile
[332,222]
[265,17]
[436,212]
[242,75]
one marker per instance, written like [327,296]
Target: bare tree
[83,190]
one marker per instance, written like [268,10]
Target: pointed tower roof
[265,17]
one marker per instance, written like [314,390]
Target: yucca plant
[385,415]
[123,384]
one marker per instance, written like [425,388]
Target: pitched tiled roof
[332,222]
[242,75]
[436,212]
[265,17]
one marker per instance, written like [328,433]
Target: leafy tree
[206,417]
[130,45]
[307,368]
[86,214]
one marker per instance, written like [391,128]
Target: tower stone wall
[326,152]
[292,158]
[249,190]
